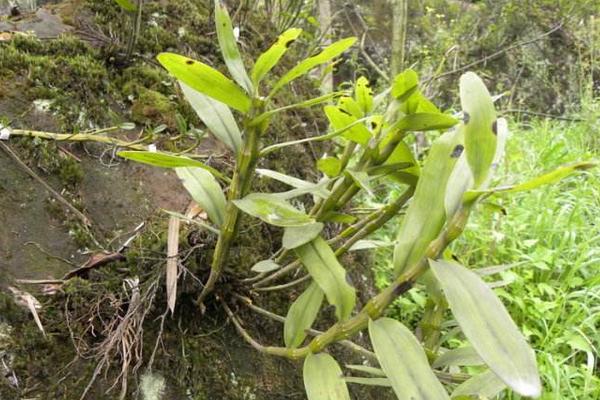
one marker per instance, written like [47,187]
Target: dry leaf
[25,299]
[172,251]
[194,210]
[5,36]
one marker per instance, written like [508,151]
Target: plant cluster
[438,198]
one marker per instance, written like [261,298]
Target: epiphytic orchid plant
[438,197]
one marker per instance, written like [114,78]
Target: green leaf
[328,53]
[323,378]
[418,103]
[425,215]
[405,84]
[272,210]
[163,160]
[328,273]
[462,356]
[216,116]
[229,48]
[368,381]
[550,177]
[367,244]
[267,60]
[265,266]
[363,95]
[424,122]
[480,126]
[205,190]
[459,182]
[126,5]
[361,179]
[350,106]
[193,221]
[306,103]
[404,362]
[338,218]
[485,385]
[366,369]
[318,188]
[400,156]
[205,80]
[341,119]
[330,166]
[488,327]
[301,315]
[296,236]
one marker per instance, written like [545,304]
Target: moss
[153,108]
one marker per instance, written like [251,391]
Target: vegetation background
[540,57]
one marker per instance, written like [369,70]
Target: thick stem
[431,324]
[239,187]
[388,213]
[376,306]
[444,376]
[356,232]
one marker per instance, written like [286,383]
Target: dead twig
[496,54]
[53,192]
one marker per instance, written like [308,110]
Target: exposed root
[118,319]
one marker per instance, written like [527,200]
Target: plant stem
[93,137]
[356,232]
[240,184]
[445,376]
[80,137]
[388,213]
[376,306]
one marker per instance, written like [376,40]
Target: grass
[551,238]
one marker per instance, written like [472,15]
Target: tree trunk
[324,16]
[400,11]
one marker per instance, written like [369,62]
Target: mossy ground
[88,83]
